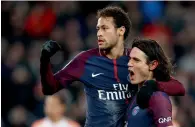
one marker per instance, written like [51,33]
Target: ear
[121,31]
[153,65]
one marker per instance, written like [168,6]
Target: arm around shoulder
[173,87]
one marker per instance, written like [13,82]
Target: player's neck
[116,51]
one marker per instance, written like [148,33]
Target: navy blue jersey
[158,114]
[106,86]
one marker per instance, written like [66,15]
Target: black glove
[145,92]
[49,48]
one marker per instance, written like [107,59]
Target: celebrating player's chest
[104,75]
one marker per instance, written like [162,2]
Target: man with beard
[103,70]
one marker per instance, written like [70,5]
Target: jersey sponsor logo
[121,92]
[163,120]
[135,110]
[94,75]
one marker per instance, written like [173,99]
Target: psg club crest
[135,110]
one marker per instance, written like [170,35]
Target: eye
[104,28]
[136,59]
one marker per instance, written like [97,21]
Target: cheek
[112,37]
[142,72]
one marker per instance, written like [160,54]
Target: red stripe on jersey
[116,71]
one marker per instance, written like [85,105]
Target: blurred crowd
[25,26]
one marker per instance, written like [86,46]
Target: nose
[130,63]
[99,33]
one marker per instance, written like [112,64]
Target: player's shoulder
[93,52]
[160,94]
[88,53]
[160,102]
[159,97]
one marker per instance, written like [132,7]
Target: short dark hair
[154,52]
[120,17]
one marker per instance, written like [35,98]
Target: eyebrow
[101,26]
[135,58]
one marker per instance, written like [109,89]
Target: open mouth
[131,73]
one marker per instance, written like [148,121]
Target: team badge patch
[135,111]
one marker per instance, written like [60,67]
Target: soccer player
[54,110]
[103,70]
[148,64]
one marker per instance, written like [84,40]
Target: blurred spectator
[153,11]
[162,34]
[186,62]
[54,110]
[4,47]
[40,21]
[18,117]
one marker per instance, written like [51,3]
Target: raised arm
[52,83]
[49,84]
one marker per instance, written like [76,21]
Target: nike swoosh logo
[94,75]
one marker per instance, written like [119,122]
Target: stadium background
[25,26]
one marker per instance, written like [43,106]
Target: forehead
[136,52]
[105,21]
